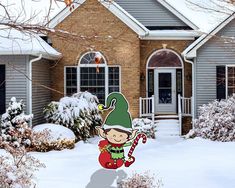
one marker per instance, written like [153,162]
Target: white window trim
[93,65]
[149,68]
[226,79]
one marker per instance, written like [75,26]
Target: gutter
[170,35]
[30,84]
[193,88]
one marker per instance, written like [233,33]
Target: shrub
[146,126]
[140,180]
[79,113]
[14,125]
[47,137]
[216,121]
[17,168]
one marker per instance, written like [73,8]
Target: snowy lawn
[179,163]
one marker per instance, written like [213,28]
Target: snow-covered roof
[205,19]
[178,13]
[191,51]
[14,42]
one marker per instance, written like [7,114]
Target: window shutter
[220,82]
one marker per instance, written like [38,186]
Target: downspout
[193,88]
[30,84]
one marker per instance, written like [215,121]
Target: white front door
[165,91]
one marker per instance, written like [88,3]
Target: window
[71,80]
[230,80]
[98,79]
[114,79]
[93,81]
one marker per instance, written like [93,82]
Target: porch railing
[185,108]
[180,114]
[147,107]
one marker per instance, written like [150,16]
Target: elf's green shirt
[118,152]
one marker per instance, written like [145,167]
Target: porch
[184,109]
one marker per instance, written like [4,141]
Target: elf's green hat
[119,117]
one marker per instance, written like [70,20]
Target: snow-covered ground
[179,163]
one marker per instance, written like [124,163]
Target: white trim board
[191,51]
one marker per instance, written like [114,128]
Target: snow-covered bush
[79,113]
[47,137]
[17,169]
[216,121]
[140,180]
[14,125]
[146,126]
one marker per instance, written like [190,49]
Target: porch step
[167,128]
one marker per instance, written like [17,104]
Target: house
[25,57]
[149,51]
[141,43]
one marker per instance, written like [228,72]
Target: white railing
[147,107]
[185,108]
[180,114]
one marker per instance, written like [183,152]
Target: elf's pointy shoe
[130,161]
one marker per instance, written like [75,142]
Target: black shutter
[220,82]
[2,89]
[150,82]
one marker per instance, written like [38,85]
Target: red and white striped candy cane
[144,140]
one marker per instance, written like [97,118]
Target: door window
[165,89]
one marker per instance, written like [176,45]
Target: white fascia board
[192,49]
[189,51]
[64,13]
[34,53]
[125,17]
[178,14]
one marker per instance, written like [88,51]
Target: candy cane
[144,140]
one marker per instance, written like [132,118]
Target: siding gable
[151,13]
[216,52]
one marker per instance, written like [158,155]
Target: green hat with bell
[119,117]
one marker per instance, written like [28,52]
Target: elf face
[116,137]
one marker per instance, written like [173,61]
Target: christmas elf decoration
[117,133]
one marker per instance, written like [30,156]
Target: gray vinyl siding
[16,81]
[215,52]
[150,13]
[40,95]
